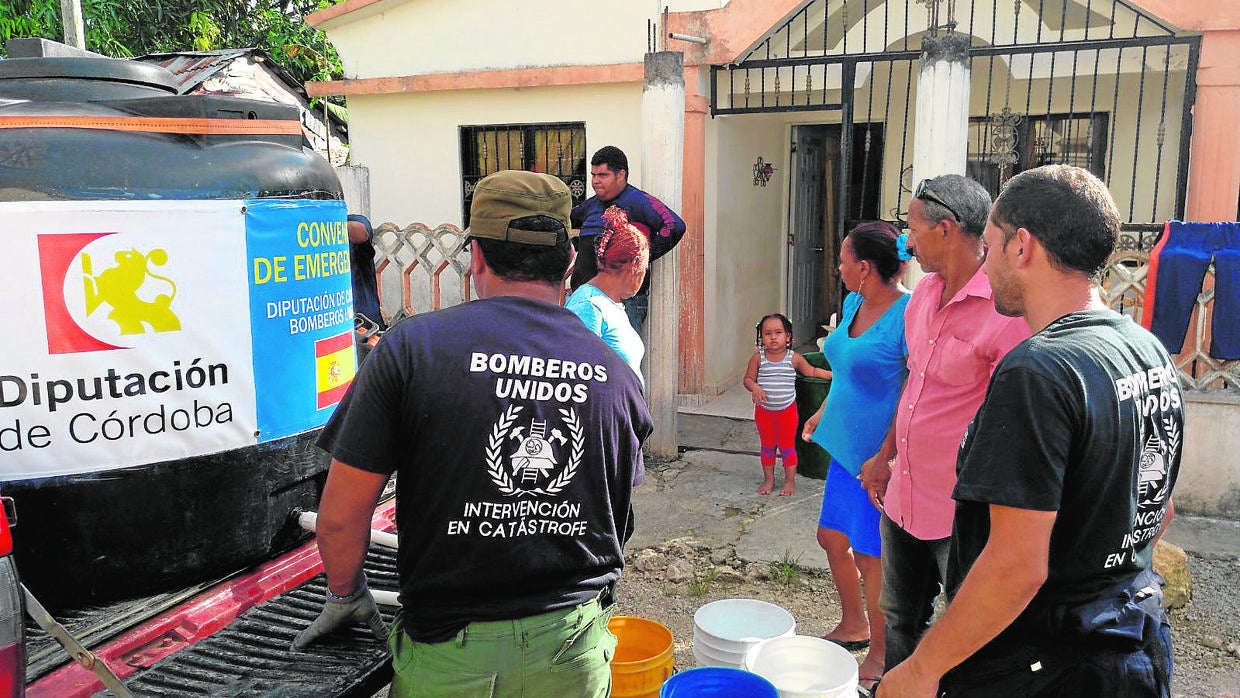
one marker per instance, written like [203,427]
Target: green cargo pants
[561,653]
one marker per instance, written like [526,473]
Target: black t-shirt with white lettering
[516,434]
[1085,418]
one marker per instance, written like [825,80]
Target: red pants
[777,430]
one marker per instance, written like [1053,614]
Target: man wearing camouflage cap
[517,437]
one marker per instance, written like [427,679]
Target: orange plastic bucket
[643,659]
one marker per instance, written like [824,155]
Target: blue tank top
[867,373]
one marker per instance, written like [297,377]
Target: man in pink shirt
[955,340]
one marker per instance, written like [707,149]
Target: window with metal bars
[557,149]
[1033,141]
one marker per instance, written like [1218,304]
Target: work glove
[341,611]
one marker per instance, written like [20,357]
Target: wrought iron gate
[1097,83]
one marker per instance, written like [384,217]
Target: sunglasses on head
[925,193]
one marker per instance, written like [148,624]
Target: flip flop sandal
[850,645]
[871,690]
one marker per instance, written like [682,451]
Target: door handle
[819,250]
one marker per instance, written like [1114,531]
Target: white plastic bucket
[709,656]
[724,630]
[804,667]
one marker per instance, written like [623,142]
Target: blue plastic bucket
[717,682]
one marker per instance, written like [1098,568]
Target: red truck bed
[231,639]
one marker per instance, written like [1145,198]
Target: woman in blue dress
[867,355]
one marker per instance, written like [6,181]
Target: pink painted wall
[1214,167]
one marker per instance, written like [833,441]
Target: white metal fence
[422,269]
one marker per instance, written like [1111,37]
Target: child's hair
[621,244]
[782,319]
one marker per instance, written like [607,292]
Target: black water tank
[48,160]
[82,79]
[81,129]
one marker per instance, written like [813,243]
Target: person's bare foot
[790,488]
[766,487]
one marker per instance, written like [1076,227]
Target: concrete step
[717,433]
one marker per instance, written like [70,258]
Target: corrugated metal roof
[194,68]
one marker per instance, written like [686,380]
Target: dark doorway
[814,290]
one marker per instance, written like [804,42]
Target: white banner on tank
[128,330]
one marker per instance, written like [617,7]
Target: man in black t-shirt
[517,437]
[1064,476]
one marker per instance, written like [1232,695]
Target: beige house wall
[436,36]
[1209,482]
[391,38]
[744,272]
[411,142]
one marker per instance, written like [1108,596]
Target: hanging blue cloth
[1180,265]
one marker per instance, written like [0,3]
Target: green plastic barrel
[812,460]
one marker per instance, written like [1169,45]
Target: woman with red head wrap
[622,252]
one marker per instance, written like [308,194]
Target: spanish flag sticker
[334,368]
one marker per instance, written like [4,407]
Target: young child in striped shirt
[771,380]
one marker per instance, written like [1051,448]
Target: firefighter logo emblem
[1152,475]
[533,450]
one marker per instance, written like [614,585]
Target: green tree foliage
[124,28]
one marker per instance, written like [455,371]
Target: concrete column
[941,134]
[692,265]
[663,135]
[1214,160]
[941,138]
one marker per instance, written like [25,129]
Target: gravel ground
[668,583]
[1207,631]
